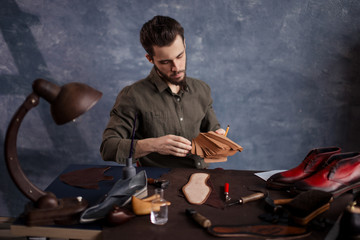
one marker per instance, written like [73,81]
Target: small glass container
[159,208]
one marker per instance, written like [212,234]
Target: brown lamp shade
[67,102]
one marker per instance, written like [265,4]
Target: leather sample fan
[214,147]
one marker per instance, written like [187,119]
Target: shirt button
[181,119]
[178,99]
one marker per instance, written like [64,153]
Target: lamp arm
[11,158]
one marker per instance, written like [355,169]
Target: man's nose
[175,66]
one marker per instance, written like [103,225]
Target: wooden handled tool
[249,198]
[200,219]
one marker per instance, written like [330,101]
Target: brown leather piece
[86,178]
[214,200]
[264,231]
[214,147]
[119,215]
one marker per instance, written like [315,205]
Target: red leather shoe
[340,174]
[312,162]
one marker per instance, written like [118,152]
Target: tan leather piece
[196,190]
[214,147]
[143,206]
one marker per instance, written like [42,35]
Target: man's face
[170,61]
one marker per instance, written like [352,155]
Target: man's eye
[164,62]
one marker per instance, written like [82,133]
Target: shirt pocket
[156,124]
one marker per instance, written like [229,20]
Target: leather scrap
[196,191]
[86,178]
[214,200]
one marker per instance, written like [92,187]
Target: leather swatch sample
[196,191]
[214,147]
[86,178]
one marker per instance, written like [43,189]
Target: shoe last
[312,162]
[340,173]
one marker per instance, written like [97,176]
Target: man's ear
[149,58]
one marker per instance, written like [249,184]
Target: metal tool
[159,183]
[226,192]
[249,198]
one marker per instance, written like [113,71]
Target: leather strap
[272,231]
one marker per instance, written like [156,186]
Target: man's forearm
[143,148]
[165,145]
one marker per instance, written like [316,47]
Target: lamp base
[66,213]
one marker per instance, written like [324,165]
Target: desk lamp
[66,103]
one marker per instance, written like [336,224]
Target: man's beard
[181,83]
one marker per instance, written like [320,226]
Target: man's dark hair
[159,31]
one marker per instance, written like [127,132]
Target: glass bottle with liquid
[159,208]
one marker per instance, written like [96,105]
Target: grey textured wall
[284,75]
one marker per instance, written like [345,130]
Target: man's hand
[172,145]
[165,145]
[220,131]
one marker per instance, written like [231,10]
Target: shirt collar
[159,83]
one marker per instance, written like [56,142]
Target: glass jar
[159,208]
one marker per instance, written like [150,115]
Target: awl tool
[249,198]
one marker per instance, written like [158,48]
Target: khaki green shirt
[159,112]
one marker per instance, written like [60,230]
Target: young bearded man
[170,108]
